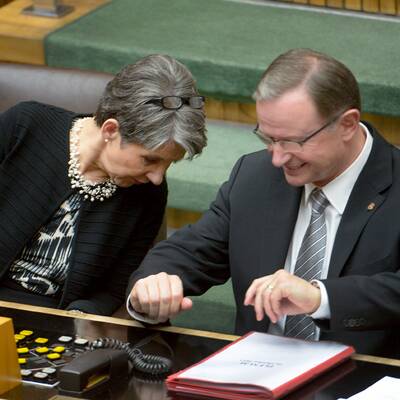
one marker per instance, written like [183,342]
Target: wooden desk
[186,347]
[22,36]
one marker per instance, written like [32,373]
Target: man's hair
[330,84]
[126,98]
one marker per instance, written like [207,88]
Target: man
[309,230]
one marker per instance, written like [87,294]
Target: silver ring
[270,287]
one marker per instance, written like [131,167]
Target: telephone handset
[107,362]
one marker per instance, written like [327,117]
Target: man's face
[293,116]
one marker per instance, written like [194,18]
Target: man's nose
[279,156]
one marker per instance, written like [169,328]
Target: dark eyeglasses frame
[190,101]
[271,141]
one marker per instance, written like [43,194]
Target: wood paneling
[352,4]
[231,111]
[22,36]
[370,6]
[318,2]
[178,218]
[390,7]
[335,3]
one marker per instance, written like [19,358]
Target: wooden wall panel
[371,6]
[317,3]
[178,218]
[352,4]
[230,111]
[335,3]
[389,7]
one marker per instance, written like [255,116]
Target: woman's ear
[110,129]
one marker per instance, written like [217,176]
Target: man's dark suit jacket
[247,231]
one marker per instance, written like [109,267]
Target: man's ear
[110,129]
[349,123]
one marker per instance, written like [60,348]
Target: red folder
[251,368]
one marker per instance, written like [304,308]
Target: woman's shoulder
[40,115]
[37,107]
[33,110]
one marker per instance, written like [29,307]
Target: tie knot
[318,201]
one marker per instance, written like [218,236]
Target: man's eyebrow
[290,138]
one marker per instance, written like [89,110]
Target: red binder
[258,366]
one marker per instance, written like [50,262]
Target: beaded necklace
[89,190]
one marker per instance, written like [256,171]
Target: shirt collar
[338,191]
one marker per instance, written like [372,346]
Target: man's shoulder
[382,150]
[254,173]
[255,160]
[259,162]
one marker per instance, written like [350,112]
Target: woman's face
[131,164]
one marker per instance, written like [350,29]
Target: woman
[82,197]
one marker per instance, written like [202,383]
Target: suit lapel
[365,199]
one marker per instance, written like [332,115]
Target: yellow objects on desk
[10,375]
[42,350]
[53,356]
[26,332]
[41,340]
[58,349]
[22,350]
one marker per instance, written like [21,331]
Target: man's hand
[159,297]
[282,294]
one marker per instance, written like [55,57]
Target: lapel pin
[371,206]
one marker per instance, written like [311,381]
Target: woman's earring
[106,140]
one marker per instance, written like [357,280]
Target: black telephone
[107,362]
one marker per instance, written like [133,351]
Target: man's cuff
[324,310]
[139,317]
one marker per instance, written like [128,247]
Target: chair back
[72,89]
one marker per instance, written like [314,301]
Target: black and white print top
[43,264]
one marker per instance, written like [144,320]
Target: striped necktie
[309,263]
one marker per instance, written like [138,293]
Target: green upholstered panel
[194,184]
[213,311]
[228,44]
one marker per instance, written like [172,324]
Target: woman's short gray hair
[126,98]
[330,84]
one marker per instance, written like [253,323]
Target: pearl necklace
[89,190]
